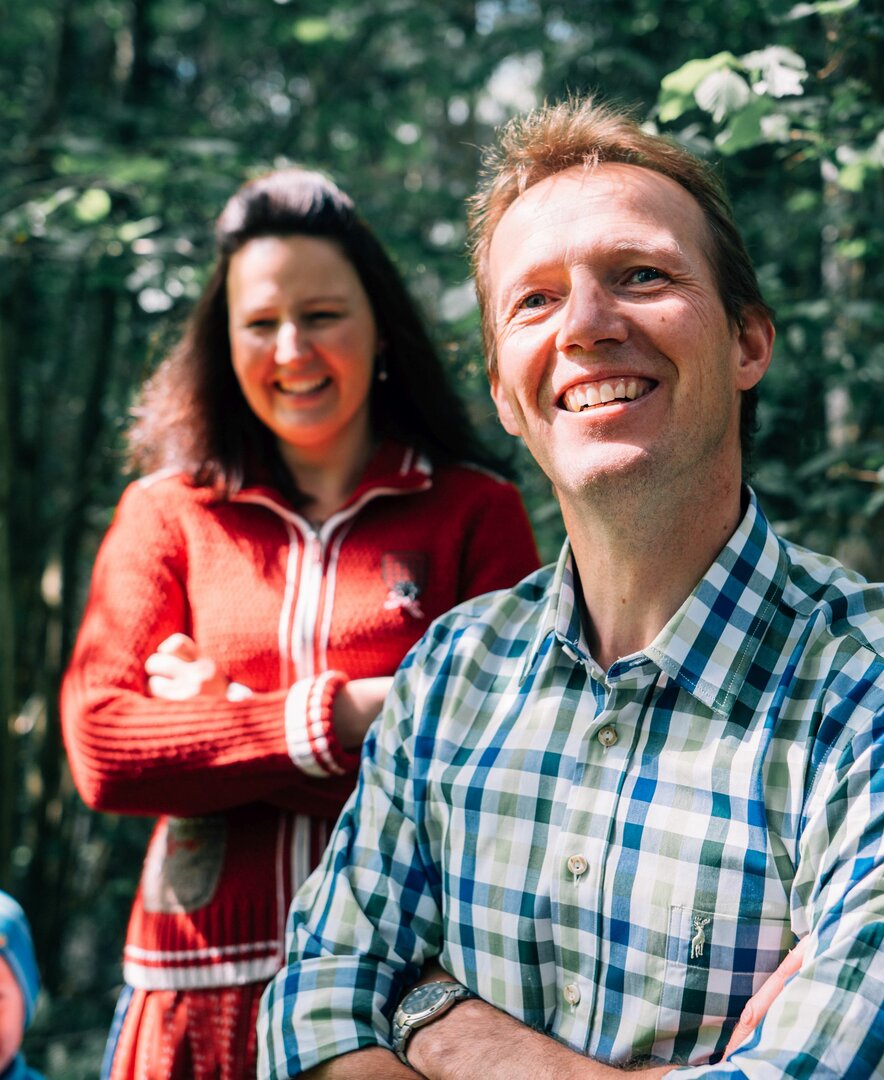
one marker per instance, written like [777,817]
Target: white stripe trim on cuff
[305,734]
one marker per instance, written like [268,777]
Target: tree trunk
[52,842]
[8,771]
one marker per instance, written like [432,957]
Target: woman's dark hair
[192,414]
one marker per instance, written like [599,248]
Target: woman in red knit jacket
[313,496]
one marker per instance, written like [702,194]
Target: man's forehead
[581,186]
[632,202]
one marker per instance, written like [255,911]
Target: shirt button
[607,736]
[577,865]
[571,994]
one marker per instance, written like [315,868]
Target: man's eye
[535,300]
[646,274]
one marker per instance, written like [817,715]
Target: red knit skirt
[188,1035]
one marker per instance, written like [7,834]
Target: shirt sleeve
[829,1019]
[133,753]
[365,922]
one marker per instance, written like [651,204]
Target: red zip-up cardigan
[249,787]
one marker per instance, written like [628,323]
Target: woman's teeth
[587,395]
[301,386]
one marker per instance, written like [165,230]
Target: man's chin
[622,475]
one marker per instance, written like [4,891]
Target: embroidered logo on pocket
[716,958]
[698,941]
[405,574]
[183,864]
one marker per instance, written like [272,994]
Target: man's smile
[589,395]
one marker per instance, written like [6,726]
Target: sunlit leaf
[57,199]
[139,169]
[853,176]
[93,206]
[134,230]
[678,87]
[822,7]
[722,93]
[875,503]
[311,30]
[745,128]
[781,70]
[776,127]
[856,248]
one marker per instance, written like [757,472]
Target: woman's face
[12,1015]
[303,341]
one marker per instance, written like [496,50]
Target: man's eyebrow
[640,248]
[646,246]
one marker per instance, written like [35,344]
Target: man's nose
[590,316]
[291,343]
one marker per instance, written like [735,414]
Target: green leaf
[781,69]
[722,93]
[134,230]
[745,129]
[678,87]
[856,248]
[853,176]
[874,504]
[93,206]
[822,7]
[312,29]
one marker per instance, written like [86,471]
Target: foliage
[809,115]
[125,124]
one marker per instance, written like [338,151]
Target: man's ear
[756,348]
[504,411]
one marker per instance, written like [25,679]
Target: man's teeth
[583,397]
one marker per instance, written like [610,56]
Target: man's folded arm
[829,1018]
[360,929]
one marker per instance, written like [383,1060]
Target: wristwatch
[421,1006]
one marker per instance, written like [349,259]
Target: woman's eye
[323,316]
[260,324]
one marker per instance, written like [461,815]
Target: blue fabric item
[18,1070]
[17,949]
[107,1062]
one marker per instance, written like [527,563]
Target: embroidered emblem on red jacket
[183,864]
[405,574]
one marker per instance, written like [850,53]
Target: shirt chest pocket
[715,961]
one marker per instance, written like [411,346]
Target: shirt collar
[559,616]
[709,644]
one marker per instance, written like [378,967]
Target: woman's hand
[761,1001]
[177,672]
[356,704]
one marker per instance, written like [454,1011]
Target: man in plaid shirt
[608,801]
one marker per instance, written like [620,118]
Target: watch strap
[404,1026]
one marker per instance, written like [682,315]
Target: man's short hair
[585,133]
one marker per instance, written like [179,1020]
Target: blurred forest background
[124,126]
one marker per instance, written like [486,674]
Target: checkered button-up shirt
[619,858]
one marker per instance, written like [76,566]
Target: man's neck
[638,564]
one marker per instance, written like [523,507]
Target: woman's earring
[380,367]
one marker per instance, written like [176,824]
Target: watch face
[423,999]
